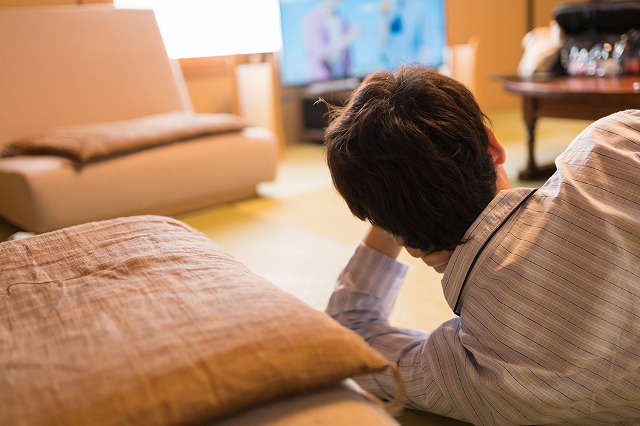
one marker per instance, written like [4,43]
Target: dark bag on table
[602,38]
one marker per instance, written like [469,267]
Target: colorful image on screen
[324,40]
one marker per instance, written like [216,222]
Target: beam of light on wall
[198,28]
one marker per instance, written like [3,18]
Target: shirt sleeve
[363,299]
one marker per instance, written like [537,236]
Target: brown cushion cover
[143,320]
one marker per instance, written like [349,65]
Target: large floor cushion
[144,321]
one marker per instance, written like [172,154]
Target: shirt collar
[491,218]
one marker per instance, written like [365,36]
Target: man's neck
[502,181]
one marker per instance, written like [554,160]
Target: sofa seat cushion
[43,193]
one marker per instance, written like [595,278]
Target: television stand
[323,87]
[314,112]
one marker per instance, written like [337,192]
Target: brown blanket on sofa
[82,143]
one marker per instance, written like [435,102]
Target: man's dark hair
[409,153]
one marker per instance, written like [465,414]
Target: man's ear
[495,148]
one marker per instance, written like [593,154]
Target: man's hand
[438,260]
[382,241]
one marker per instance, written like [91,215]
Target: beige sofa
[86,65]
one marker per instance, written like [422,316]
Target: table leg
[532,171]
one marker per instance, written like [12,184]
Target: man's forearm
[368,287]
[363,300]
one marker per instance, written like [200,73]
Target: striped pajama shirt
[547,295]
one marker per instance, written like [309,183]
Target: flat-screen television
[342,40]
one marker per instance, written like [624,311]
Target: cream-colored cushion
[341,405]
[143,320]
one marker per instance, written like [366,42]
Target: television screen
[330,40]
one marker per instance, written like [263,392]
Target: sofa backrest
[62,65]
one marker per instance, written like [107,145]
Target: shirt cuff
[368,286]
[372,272]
